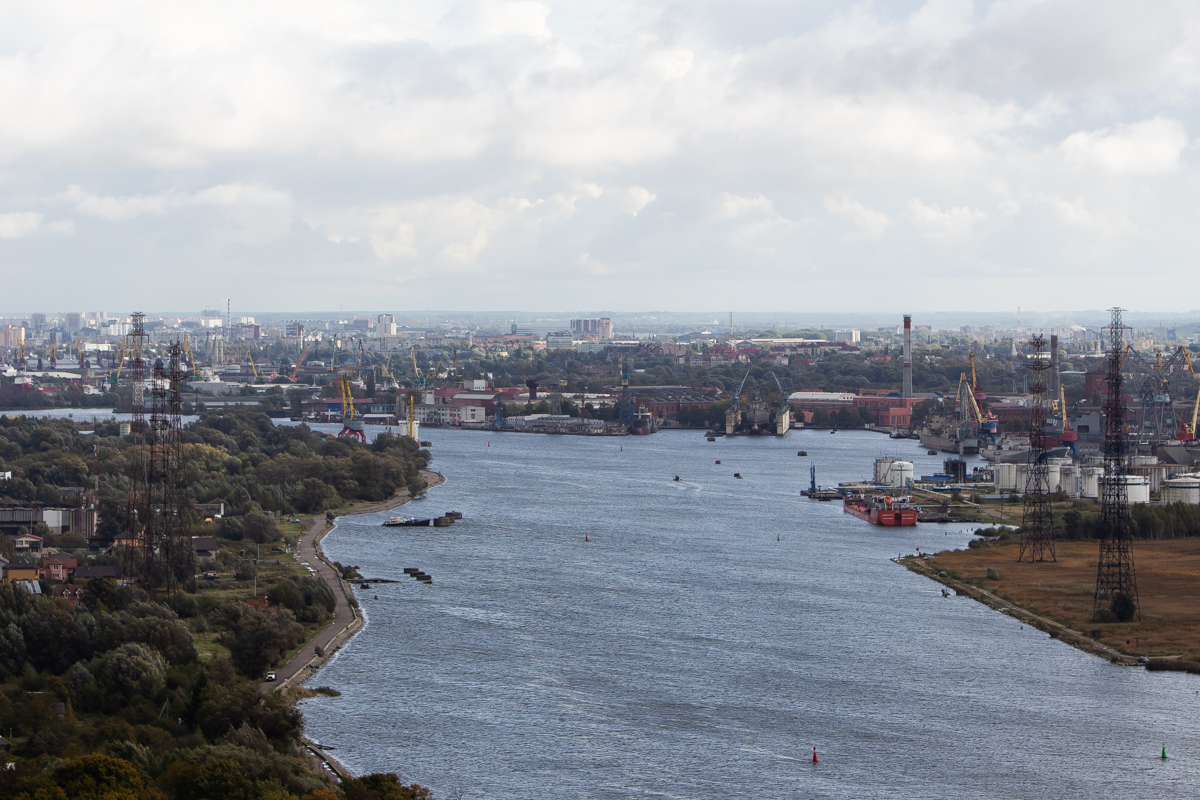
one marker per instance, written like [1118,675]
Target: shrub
[993,574]
[1123,607]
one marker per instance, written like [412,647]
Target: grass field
[1168,580]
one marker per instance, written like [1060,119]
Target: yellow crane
[412,353]
[253,368]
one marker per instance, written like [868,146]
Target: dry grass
[1168,577]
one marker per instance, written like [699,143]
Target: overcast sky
[483,154]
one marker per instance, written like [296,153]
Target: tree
[256,639]
[135,669]
[260,528]
[383,786]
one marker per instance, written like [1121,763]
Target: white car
[270,676]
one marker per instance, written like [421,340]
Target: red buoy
[814,755]
[585,538]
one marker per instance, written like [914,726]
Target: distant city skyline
[478,154]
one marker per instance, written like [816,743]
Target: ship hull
[887,517]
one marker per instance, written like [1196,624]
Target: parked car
[270,676]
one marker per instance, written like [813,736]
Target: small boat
[712,438]
[802,453]
[833,431]
[676,477]
[933,452]
[718,461]
[737,475]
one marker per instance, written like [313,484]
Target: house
[20,570]
[58,567]
[205,546]
[87,573]
[213,510]
[69,592]
[27,543]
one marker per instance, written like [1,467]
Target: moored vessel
[885,510]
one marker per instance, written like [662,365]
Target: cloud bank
[485,154]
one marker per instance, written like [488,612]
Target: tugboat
[889,511]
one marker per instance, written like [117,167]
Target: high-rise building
[74,322]
[600,328]
[37,322]
[906,389]
[850,336]
[385,325]
[294,330]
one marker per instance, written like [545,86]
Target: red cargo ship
[881,510]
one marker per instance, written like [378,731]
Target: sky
[751,156]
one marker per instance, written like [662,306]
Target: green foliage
[383,786]
[256,639]
[286,594]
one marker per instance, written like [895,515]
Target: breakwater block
[454,514]
[443,522]
[410,570]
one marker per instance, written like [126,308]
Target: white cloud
[19,224]
[1142,148]
[953,223]
[871,224]
[638,198]
[503,139]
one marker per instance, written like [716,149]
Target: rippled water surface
[710,633]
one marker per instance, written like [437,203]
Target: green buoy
[1164,755]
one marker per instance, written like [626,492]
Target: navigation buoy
[622,448]
[585,538]
[1164,755]
[814,755]
[777,537]
[489,444]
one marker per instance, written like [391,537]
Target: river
[707,636]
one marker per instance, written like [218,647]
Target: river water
[707,636]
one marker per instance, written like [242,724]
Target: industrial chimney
[907,390]
[532,385]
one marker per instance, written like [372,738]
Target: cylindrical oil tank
[1182,489]
[1089,481]
[1006,477]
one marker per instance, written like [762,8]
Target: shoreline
[1056,630]
[346,619]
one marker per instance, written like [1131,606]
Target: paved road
[345,619]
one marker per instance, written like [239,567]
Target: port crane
[253,368]
[352,424]
[412,353]
[625,411]
[54,350]
[299,361]
[1068,437]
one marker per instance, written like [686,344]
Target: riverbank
[1056,597]
[346,618]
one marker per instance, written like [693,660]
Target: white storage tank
[1068,476]
[1182,489]
[894,473]
[1006,477]
[1089,481]
[1137,488]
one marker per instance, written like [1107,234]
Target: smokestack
[1054,376]
[907,391]
[532,385]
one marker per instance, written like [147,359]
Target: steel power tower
[1115,574]
[1037,542]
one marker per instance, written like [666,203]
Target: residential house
[205,546]
[58,567]
[87,573]
[69,592]
[20,570]
[27,543]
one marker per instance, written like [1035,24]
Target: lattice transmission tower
[1115,574]
[135,521]
[1037,521]
[168,555]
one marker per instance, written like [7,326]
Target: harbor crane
[352,424]
[299,361]
[1068,437]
